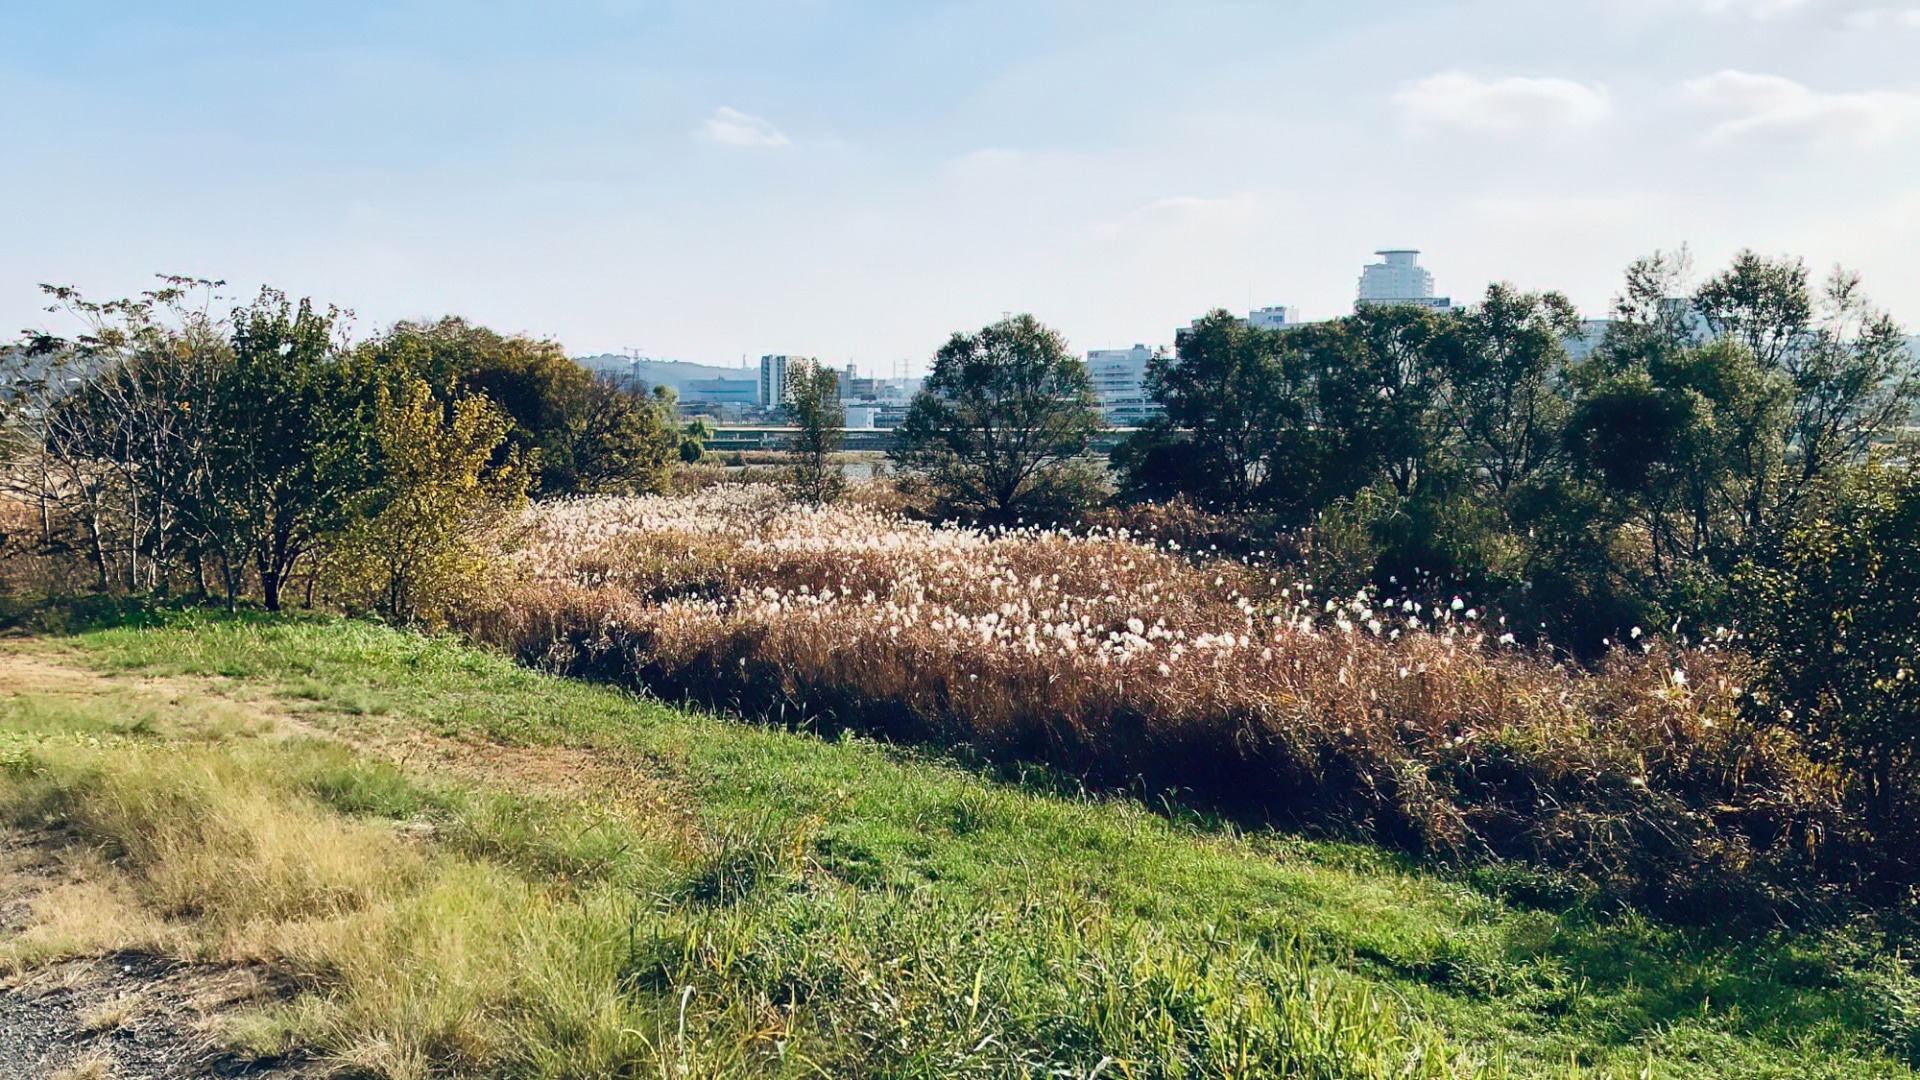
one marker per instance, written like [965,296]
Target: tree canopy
[1002,423]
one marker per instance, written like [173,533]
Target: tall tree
[1235,427]
[1502,396]
[1002,423]
[813,403]
[291,439]
[116,419]
[546,397]
[616,442]
[1375,380]
[1715,423]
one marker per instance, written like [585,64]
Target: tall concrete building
[1120,382]
[773,380]
[1398,279]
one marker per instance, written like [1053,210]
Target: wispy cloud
[731,127]
[1181,213]
[1858,13]
[1775,107]
[1457,101]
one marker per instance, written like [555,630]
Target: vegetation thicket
[1404,448]
[1123,662]
[262,453]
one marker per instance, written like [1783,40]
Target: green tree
[1001,427]
[1715,424]
[694,437]
[1502,397]
[1373,380]
[418,540]
[551,402]
[289,441]
[813,404]
[1830,614]
[1235,432]
[617,443]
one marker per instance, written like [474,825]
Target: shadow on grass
[66,616]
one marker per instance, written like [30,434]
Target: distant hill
[675,373]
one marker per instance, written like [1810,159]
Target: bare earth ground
[125,1016]
[130,1016]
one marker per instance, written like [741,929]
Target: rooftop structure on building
[1398,279]
[1277,317]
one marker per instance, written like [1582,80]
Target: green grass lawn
[713,898]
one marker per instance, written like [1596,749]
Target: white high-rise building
[1398,279]
[1120,382]
[773,380]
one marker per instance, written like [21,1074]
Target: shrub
[1832,621]
[415,547]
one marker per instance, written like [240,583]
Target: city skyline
[857,181]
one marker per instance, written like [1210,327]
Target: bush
[1832,620]
[416,547]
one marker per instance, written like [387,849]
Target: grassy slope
[924,921]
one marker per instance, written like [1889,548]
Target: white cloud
[1457,101]
[731,127]
[1773,107]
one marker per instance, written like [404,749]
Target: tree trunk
[226,578]
[270,587]
[97,548]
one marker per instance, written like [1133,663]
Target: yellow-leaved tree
[429,520]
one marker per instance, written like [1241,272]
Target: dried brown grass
[1128,663]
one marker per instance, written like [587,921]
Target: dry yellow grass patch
[109,1015]
[93,1066]
[193,837]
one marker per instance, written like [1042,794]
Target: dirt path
[117,1016]
[132,1016]
[36,666]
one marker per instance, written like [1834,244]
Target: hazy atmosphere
[853,179]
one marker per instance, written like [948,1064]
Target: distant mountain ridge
[675,373]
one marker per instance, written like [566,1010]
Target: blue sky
[856,180]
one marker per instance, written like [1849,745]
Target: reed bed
[1126,662]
